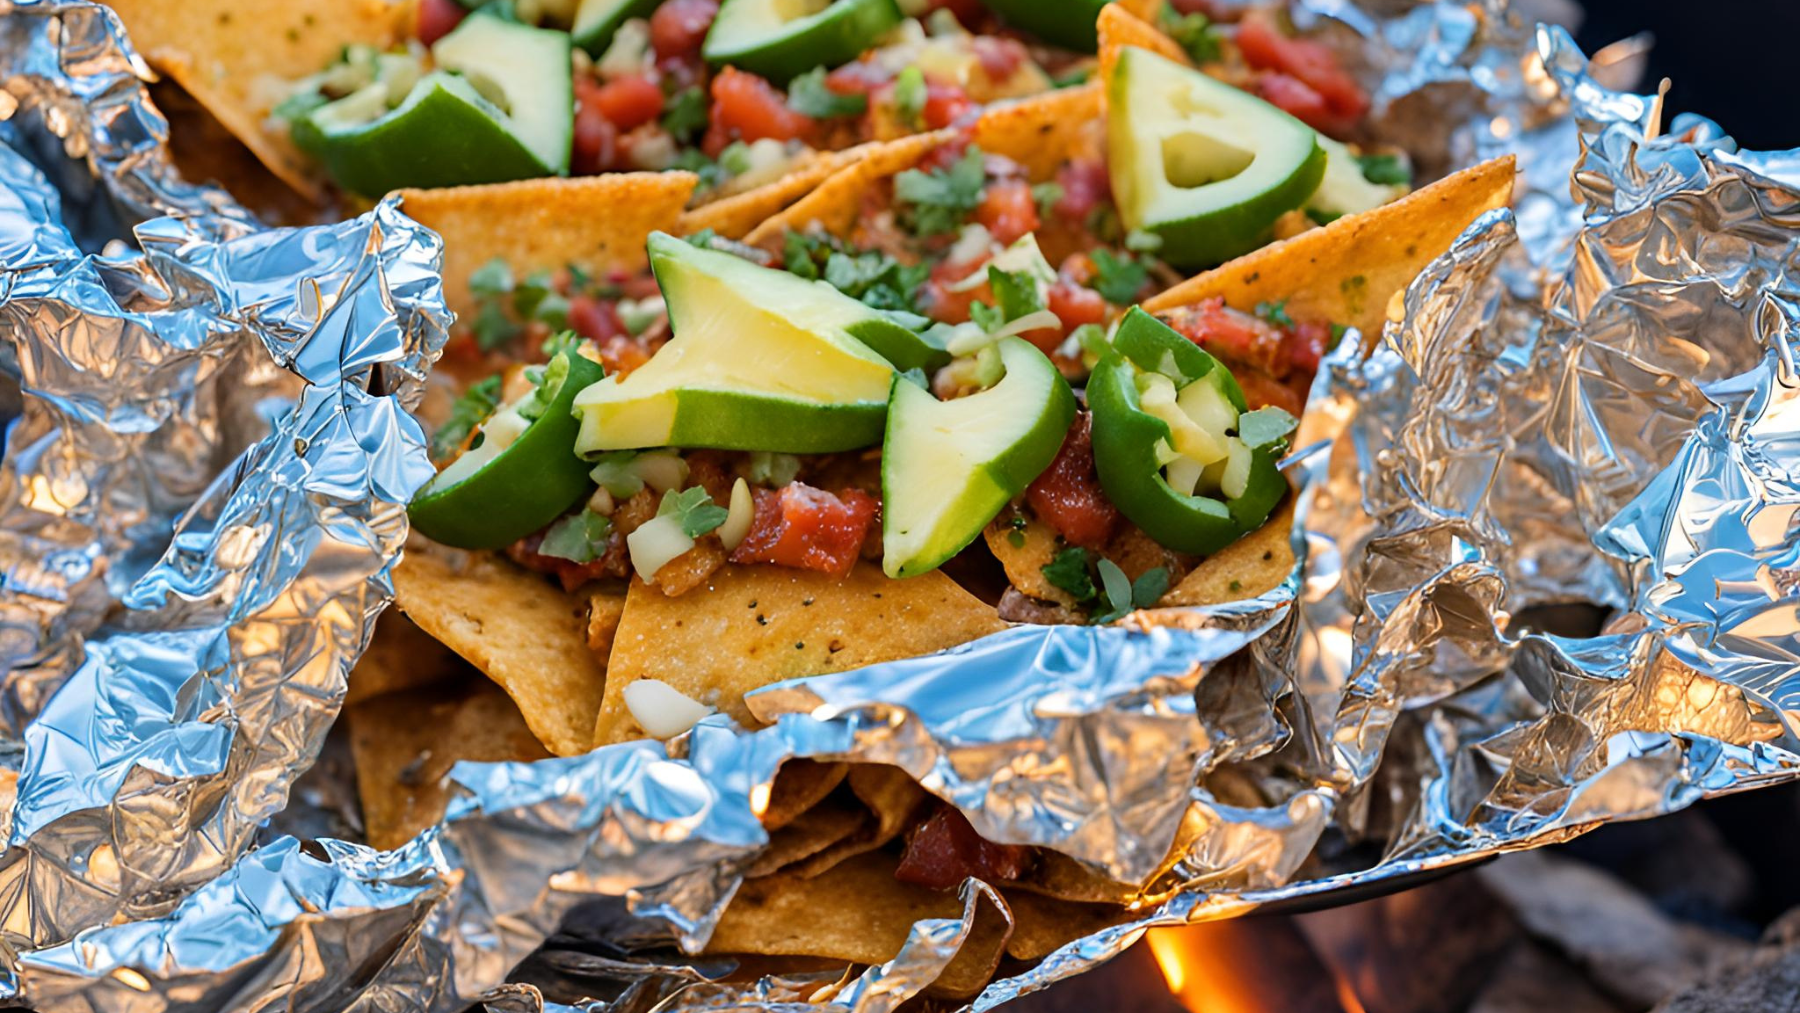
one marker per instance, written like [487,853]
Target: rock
[1532,979]
[1767,982]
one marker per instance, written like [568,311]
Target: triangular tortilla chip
[237,59]
[856,912]
[755,625]
[1347,271]
[1042,925]
[799,785]
[892,801]
[817,830]
[518,628]
[735,215]
[1119,28]
[597,223]
[1250,566]
[400,656]
[405,743]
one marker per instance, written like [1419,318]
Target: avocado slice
[1344,190]
[1070,24]
[948,467]
[782,39]
[597,21]
[1206,167]
[761,360]
[448,130]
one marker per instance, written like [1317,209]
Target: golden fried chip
[1043,132]
[1119,27]
[835,203]
[857,912]
[1250,566]
[606,606]
[400,656]
[755,625]
[799,785]
[405,743]
[1043,924]
[815,831]
[892,801]
[596,223]
[1347,271]
[238,60]
[205,152]
[524,632]
[734,216]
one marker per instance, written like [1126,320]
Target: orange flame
[1223,967]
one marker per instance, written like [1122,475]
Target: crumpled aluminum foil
[1586,401]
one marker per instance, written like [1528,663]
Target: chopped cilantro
[579,279]
[1117,589]
[910,94]
[809,96]
[1015,292]
[1092,339]
[613,471]
[1194,33]
[685,115]
[1386,170]
[493,328]
[773,469]
[298,105]
[560,343]
[695,161]
[797,254]
[1068,572]
[694,509]
[988,318]
[469,411]
[940,199]
[1265,426]
[1150,586]
[1046,195]
[492,278]
[579,537]
[703,239]
[547,381]
[1275,313]
[1118,279]
[872,277]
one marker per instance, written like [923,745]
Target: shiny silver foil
[1587,401]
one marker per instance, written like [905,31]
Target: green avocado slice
[760,360]
[1066,23]
[1206,167]
[948,467]
[447,131]
[597,21]
[782,39]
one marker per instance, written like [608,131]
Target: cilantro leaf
[1117,588]
[1386,170]
[910,94]
[298,105]
[1016,293]
[702,239]
[1069,572]
[1275,313]
[810,96]
[1265,426]
[492,278]
[1092,339]
[940,199]
[986,317]
[1150,586]
[468,411]
[695,510]
[686,114]
[798,253]
[493,328]
[695,161]
[873,277]
[1194,33]
[579,537]
[1046,196]
[1118,279]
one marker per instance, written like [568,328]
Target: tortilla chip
[1042,925]
[400,656]
[1145,10]
[1045,131]
[799,785]
[1252,565]
[1119,28]
[892,801]
[405,743]
[834,204]
[236,59]
[856,912]
[1347,271]
[524,632]
[605,608]
[205,152]
[816,831]
[736,215]
[597,223]
[755,625]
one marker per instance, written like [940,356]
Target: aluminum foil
[1585,402]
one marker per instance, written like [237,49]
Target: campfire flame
[1232,967]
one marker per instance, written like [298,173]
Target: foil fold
[1586,401]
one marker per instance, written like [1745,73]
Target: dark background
[1732,60]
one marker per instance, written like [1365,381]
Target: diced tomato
[629,102]
[1068,497]
[1075,305]
[945,850]
[594,319]
[950,151]
[941,298]
[620,355]
[806,528]
[945,104]
[437,18]
[1307,342]
[862,77]
[567,572]
[1008,210]
[679,26]
[1232,335]
[1308,62]
[1210,8]
[1000,58]
[1296,98]
[596,146]
[1085,186]
[1260,390]
[747,108]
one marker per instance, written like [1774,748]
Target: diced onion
[654,543]
[1030,322]
[661,470]
[661,709]
[1183,475]
[629,52]
[737,521]
[1237,470]
[966,339]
